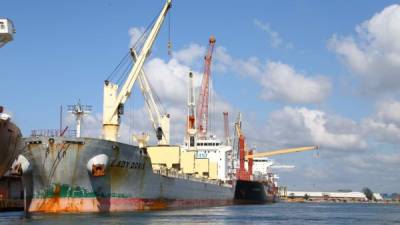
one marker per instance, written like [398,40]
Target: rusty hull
[10,145]
[60,180]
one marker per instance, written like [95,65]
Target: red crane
[202,109]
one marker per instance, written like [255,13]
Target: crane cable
[169,36]
[112,75]
[125,73]
[145,33]
[123,61]
[157,99]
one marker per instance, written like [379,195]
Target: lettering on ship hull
[127,164]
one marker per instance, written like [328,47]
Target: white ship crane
[7,31]
[160,120]
[191,131]
[113,102]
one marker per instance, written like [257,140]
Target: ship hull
[254,192]
[58,178]
[10,147]
[79,205]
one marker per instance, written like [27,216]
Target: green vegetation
[368,193]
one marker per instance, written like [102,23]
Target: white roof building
[377,197]
[314,194]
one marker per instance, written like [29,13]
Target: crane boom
[226,128]
[202,110]
[160,121]
[113,102]
[191,130]
[281,152]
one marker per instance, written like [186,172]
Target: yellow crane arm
[281,152]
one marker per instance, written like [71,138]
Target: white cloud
[250,67]
[169,79]
[380,131]
[281,82]
[388,111]
[135,33]
[392,159]
[194,53]
[384,125]
[375,54]
[222,60]
[301,126]
[273,36]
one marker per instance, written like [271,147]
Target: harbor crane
[202,110]
[7,31]
[114,100]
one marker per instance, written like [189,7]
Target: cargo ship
[10,145]
[71,174]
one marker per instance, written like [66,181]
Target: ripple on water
[281,213]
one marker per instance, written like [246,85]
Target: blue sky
[63,51]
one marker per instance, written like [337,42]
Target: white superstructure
[216,151]
[205,147]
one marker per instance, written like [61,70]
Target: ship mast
[113,102]
[79,112]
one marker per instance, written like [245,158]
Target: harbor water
[280,213]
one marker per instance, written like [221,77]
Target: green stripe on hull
[66,191]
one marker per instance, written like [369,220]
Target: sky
[300,72]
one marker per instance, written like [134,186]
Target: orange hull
[79,205]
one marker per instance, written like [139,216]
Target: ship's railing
[53,133]
[176,174]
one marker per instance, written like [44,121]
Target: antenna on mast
[79,112]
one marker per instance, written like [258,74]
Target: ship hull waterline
[58,179]
[254,192]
